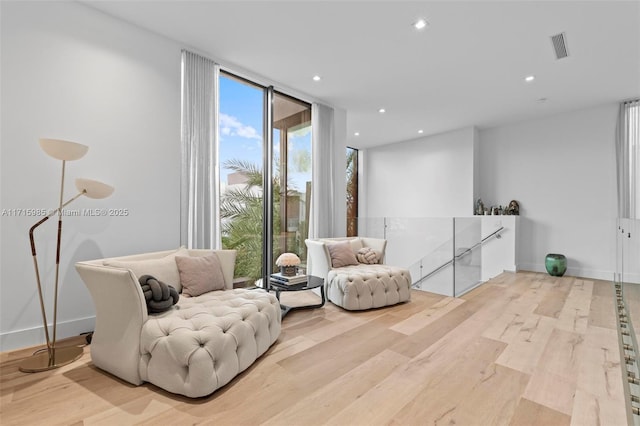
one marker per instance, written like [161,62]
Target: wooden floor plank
[529,413]
[468,399]
[554,381]
[552,303]
[524,351]
[602,305]
[599,382]
[508,325]
[319,406]
[524,348]
[427,316]
[574,315]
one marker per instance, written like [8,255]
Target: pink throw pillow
[200,274]
[341,254]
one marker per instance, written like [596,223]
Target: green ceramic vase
[556,264]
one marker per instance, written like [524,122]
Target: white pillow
[163,269]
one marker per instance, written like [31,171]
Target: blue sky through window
[240,123]
[241,129]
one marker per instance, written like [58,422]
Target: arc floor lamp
[54,357]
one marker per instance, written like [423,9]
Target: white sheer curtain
[628,159]
[199,213]
[321,215]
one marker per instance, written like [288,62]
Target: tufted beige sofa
[194,348]
[362,286]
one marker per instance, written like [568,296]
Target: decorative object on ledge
[288,263]
[53,357]
[556,264]
[513,209]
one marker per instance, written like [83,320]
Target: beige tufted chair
[361,286]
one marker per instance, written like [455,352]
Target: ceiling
[466,68]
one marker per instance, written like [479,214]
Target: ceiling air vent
[560,45]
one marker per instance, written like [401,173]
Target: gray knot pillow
[159,296]
[368,256]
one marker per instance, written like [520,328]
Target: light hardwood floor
[522,349]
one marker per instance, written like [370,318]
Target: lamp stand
[53,357]
[43,361]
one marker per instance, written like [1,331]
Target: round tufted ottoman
[359,287]
[207,340]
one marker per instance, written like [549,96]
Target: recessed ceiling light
[420,131]
[316,78]
[356,134]
[382,110]
[420,24]
[529,78]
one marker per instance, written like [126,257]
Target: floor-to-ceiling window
[244,175]
[240,166]
[292,170]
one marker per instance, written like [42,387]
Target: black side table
[312,282]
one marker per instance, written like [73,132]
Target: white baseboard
[35,336]
[631,278]
[595,274]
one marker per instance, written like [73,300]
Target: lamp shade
[63,150]
[93,188]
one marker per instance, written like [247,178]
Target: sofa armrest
[319,260]
[121,311]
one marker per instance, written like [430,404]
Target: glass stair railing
[463,257]
[627,305]
[444,255]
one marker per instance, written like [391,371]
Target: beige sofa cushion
[163,269]
[368,286]
[199,275]
[341,254]
[205,341]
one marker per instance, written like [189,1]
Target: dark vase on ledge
[556,264]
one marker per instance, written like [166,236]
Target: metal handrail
[495,233]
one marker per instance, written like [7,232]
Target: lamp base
[41,361]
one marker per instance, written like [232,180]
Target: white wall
[426,177]
[562,171]
[70,72]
